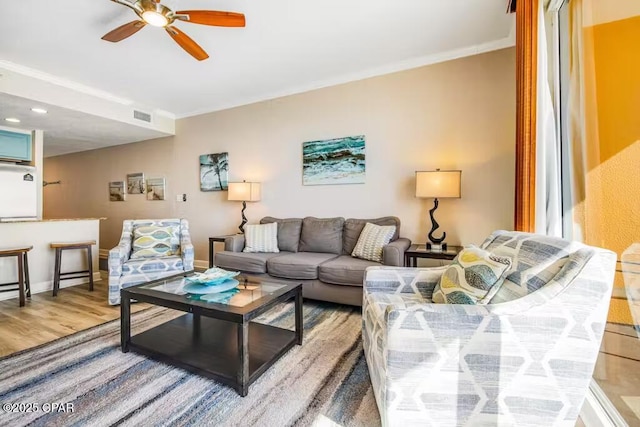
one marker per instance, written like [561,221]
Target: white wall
[454,115]
[42,258]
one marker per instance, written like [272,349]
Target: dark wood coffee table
[216,340]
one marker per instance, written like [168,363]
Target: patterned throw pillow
[261,238]
[151,241]
[371,241]
[473,277]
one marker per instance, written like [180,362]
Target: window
[596,63]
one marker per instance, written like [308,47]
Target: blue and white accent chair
[125,272]
[524,359]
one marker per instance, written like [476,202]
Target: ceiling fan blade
[124,31]
[212,17]
[187,43]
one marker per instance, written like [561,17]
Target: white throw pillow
[261,238]
[372,239]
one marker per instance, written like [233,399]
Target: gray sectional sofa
[316,252]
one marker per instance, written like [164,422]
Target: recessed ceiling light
[12,120]
[39,110]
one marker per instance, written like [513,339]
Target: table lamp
[244,192]
[437,184]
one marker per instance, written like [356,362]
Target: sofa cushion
[535,260]
[152,265]
[288,232]
[245,261]
[321,235]
[344,270]
[353,227]
[261,238]
[301,265]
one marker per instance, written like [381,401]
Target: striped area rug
[324,382]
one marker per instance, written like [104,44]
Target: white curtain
[576,132]
[548,178]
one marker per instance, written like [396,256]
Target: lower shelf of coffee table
[213,350]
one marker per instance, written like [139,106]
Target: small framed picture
[135,183]
[155,188]
[117,191]
[214,172]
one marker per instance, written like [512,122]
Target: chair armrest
[234,243]
[188,256]
[118,256]
[402,280]
[187,252]
[393,253]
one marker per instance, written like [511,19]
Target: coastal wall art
[214,172]
[334,161]
[155,188]
[117,191]
[135,183]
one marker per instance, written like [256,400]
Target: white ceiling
[68,131]
[288,46]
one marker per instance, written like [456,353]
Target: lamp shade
[244,191]
[438,184]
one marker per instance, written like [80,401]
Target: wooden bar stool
[58,276]
[23,271]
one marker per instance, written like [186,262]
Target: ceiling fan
[153,13]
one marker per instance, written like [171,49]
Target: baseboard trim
[47,286]
[202,264]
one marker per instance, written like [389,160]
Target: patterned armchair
[125,272]
[525,359]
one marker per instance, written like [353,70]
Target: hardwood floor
[45,318]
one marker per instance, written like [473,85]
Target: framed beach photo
[155,189]
[334,161]
[117,191]
[135,183]
[214,172]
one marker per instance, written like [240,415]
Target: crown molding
[506,42]
[80,88]
[418,62]
[59,81]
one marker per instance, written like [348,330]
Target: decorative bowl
[220,297]
[212,276]
[202,289]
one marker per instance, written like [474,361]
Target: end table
[211,249]
[421,251]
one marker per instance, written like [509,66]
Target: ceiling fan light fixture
[154,18]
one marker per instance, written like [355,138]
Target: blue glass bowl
[212,276]
[220,297]
[206,288]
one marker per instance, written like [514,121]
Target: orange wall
[617,61]
[617,72]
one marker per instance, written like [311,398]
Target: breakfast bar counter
[40,234]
